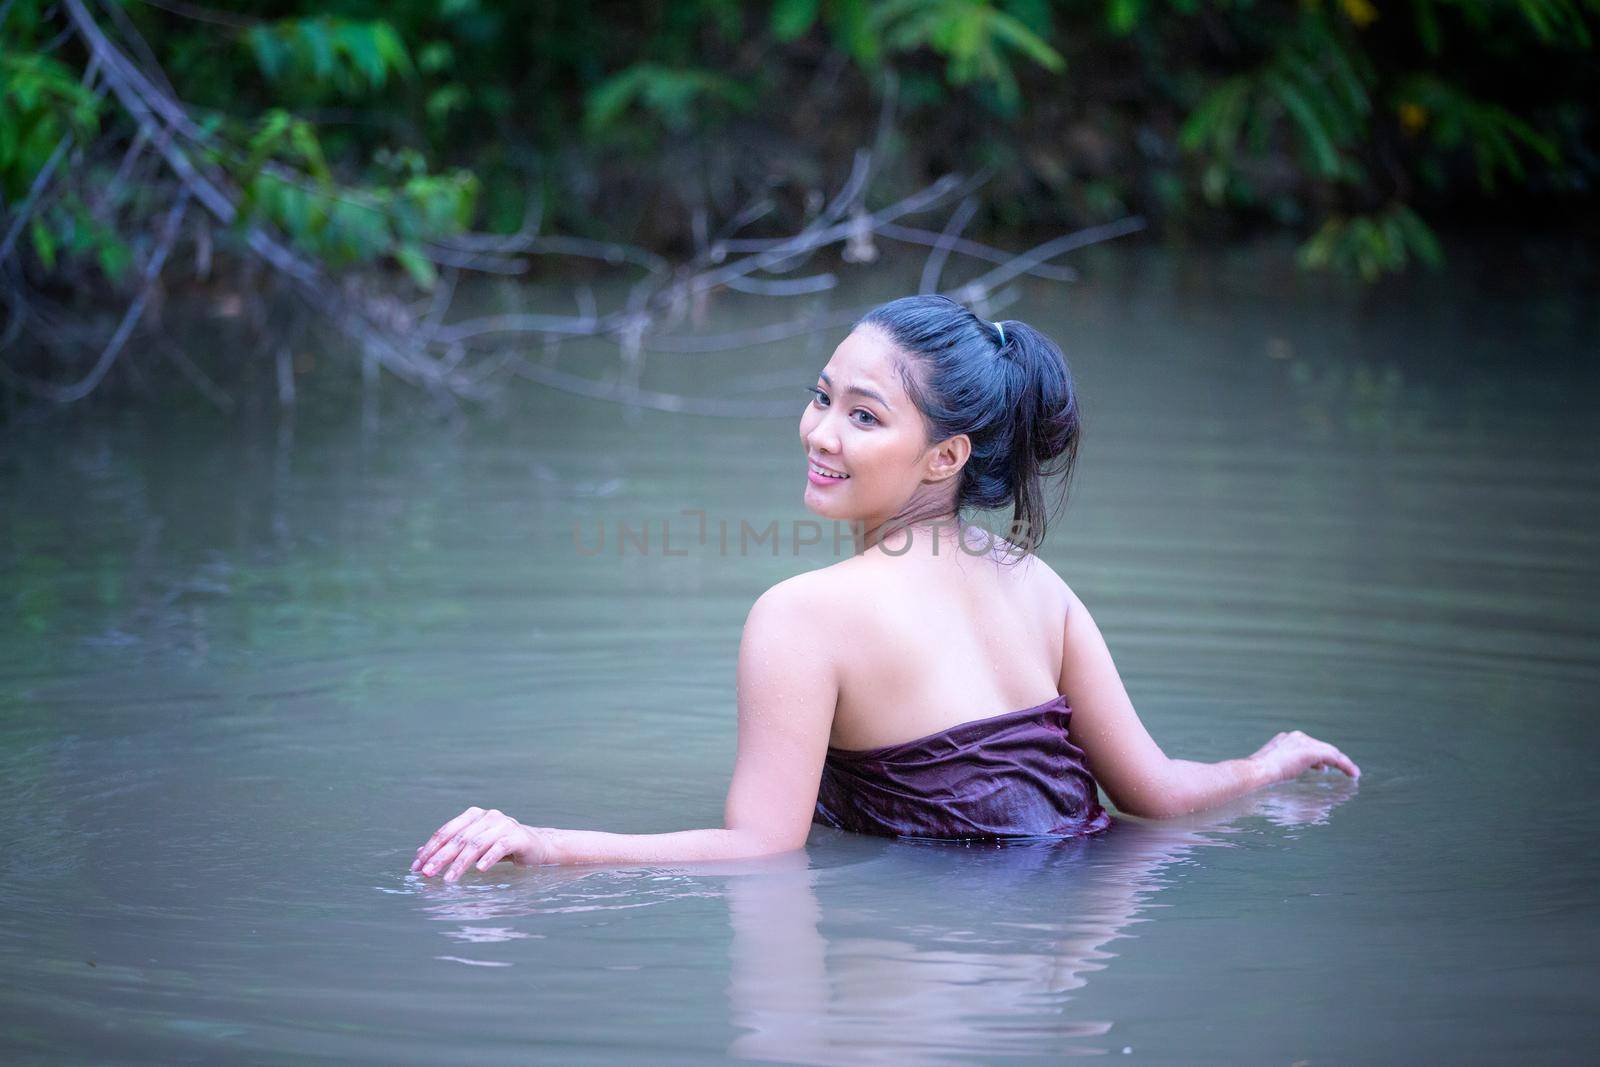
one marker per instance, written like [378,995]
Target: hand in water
[1289,754]
[480,838]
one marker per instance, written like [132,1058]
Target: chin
[827,509]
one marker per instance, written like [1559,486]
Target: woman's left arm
[1136,774]
[787,689]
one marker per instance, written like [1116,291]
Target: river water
[245,670]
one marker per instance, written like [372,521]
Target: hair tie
[1001,330]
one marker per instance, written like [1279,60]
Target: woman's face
[862,424]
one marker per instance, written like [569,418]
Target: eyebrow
[858,390]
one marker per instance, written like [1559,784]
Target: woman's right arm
[786,690]
[1136,774]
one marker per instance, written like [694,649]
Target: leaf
[303,136]
[435,56]
[791,19]
[1123,16]
[608,100]
[1217,117]
[316,42]
[445,100]
[270,54]
[1026,41]
[391,48]
[360,43]
[44,244]
[114,258]
[1418,236]
[854,31]
[1427,26]
[1323,152]
[421,269]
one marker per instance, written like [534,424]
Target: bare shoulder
[787,655]
[1053,587]
[810,610]
[792,594]
[789,611]
[823,585]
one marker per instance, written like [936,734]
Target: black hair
[1006,386]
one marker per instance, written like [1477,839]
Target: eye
[822,401]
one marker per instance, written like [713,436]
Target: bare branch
[809,241]
[136,40]
[567,325]
[204,14]
[965,247]
[130,318]
[1039,253]
[25,209]
[815,283]
[605,251]
[934,266]
[482,262]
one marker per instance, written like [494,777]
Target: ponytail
[1005,385]
[1047,428]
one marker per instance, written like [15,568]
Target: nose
[822,437]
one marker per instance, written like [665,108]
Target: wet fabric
[1010,775]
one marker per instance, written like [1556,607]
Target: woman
[858,682]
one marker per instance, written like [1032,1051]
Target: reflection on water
[906,951]
[1002,937]
[555,891]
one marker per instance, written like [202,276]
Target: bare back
[925,643]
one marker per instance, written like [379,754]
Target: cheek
[881,462]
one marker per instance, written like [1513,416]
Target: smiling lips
[820,475]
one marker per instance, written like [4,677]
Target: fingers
[1298,752]
[480,846]
[1328,756]
[470,841]
[1346,764]
[462,839]
[443,833]
[495,853]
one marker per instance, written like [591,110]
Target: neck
[941,537]
[919,536]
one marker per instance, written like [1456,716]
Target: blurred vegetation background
[356,132]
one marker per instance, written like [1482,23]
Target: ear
[946,458]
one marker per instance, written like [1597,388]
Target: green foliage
[1312,92]
[675,97]
[288,184]
[1453,119]
[1552,21]
[1370,245]
[67,231]
[42,101]
[1313,83]
[1351,118]
[46,109]
[344,57]
[792,18]
[973,35]
[279,161]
